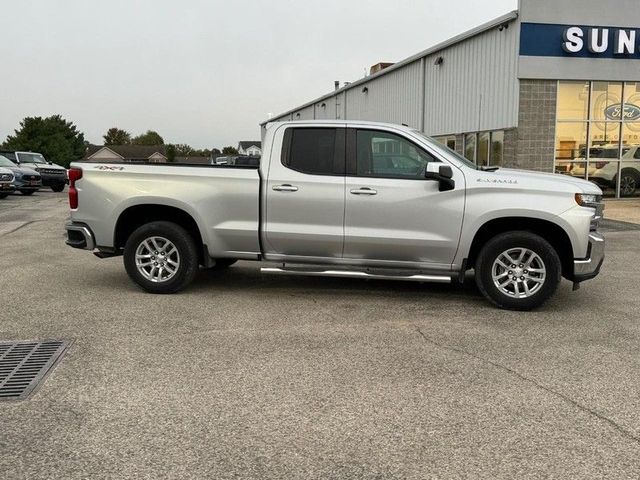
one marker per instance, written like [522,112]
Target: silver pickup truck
[344,199]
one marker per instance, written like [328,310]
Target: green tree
[183,150]
[54,137]
[148,138]
[229,151]
[117,136]
[200,153]
[171,153]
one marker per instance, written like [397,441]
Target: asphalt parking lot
[245,376]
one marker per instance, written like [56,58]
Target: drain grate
[24,365]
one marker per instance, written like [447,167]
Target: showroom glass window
[470,146]
[497,148]
[482,156]
[484,148]
[598,134]
[449,141]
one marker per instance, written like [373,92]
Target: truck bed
[223,200]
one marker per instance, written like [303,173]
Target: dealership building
[553,86]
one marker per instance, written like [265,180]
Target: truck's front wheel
[518,270]
[161,257]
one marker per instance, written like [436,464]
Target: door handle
[285,188]
[364,191]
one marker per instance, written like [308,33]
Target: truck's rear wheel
[161,257]
[518,270]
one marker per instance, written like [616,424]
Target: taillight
[74,175]
[601,165]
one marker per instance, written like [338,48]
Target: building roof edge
[508,17]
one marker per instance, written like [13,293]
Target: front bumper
[27,185]
[80,236]
[7,187]
[589,267]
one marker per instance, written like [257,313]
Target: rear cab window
[314,151]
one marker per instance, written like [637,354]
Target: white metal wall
[326,109]
[393,98]
[474,89]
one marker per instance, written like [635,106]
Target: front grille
[51,171]
[5,177]
[24,365]
[31,177]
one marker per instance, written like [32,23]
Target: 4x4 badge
[109,168]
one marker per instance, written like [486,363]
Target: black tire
[3,195]
[223,263]
[514,240]
[57,188]
[629,182]
[187,251]
[27,192]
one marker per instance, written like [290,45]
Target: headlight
[17,175]
[588,200]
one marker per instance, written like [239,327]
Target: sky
[205,73]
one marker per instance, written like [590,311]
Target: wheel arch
[550,231]
[135,216]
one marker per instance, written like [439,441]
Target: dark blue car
[26,180]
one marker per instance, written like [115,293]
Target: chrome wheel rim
[518,272]
[157,259]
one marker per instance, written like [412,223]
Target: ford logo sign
[615,112]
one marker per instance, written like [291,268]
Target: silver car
[6,182]
[26,180]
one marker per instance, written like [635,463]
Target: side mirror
[442,174]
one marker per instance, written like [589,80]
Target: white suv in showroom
[603,168]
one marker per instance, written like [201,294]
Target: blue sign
[550,40]
[616,112]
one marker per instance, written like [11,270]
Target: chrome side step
[357,274]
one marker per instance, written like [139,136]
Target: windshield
[5,162]
[32,158]
[443,149]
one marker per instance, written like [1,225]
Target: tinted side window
[385,155]
[316,151]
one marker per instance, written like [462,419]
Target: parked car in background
[6,182]
[606,172]
[52,175]
[603,168]
[26,180]
[239,160]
